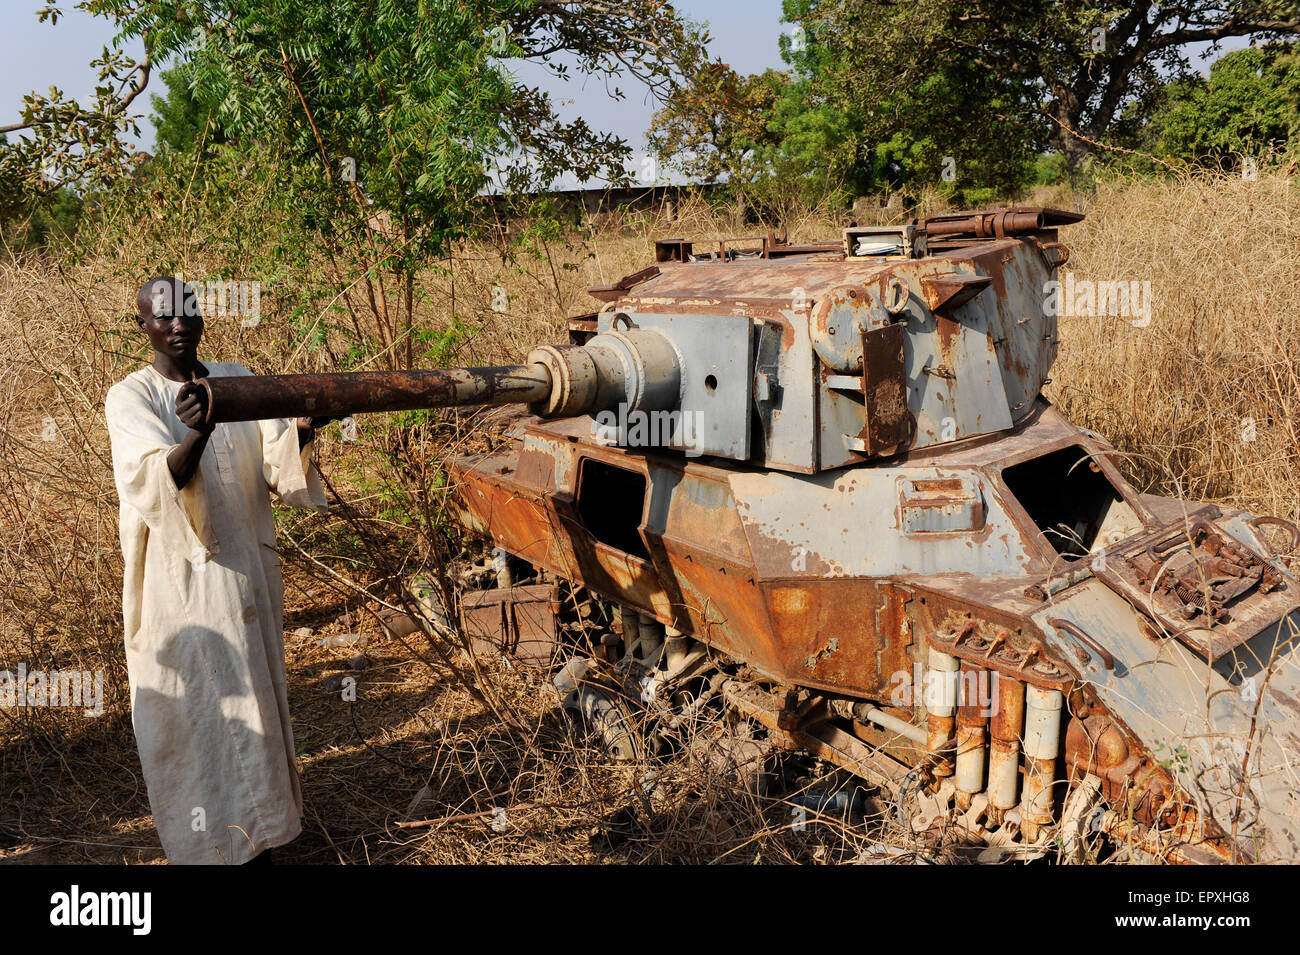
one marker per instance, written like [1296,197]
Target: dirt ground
[415,746]
[361,764]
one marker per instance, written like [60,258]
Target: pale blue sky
[35,55]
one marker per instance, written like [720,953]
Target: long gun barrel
[249,398]
[637,368]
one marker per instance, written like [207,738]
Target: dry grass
[1219,353]
[1219,253]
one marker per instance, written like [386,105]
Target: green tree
[820,144]
[1249,104]
[981,87]
[772,137]
[64,144]
[714,126]
[179,119]
[386,120]
[890,114]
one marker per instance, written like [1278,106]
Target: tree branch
[143,68]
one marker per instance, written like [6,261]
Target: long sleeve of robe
[202,606]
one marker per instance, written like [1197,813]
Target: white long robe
[202,607]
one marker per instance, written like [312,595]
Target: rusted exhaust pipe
[253,398]
[990,225]
[970,735]
[941,702]
[985,224]
[1042,746]
[1004,749]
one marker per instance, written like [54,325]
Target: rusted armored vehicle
[818,486]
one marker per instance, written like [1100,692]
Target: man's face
[170,316]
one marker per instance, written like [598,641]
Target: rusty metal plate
[1200,584]
[515,620]
[950,291]
[940,505]
[884,385]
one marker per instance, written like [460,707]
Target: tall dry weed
[1202,394]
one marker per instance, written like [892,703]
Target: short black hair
[158,297]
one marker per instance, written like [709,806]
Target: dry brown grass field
[1202,401]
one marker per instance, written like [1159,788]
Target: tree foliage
[717,125]
[977,89]
[385,121]
[58,143]
[1248,105]
[180,119]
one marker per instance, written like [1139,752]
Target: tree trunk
[1064,113]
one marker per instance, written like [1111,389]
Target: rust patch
[890,425]
[516,620]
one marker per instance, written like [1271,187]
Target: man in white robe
[202,597]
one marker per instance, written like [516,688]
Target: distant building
[652,185]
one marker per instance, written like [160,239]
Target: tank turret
[795,358]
